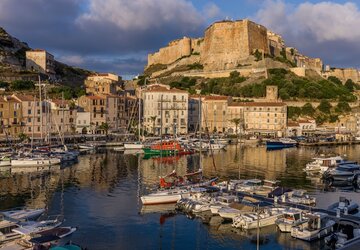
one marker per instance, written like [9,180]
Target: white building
[165,108]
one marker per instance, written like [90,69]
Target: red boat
[175,180]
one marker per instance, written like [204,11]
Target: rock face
[12,51]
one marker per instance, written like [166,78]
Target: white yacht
[316,227]
[135,145]
[23,214]
[298,196]
[164,197]
[221,202]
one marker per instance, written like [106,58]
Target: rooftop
[24,98]
[257,104]
[164,89]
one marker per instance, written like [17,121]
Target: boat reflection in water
[103,191]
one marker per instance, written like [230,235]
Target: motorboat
[222,201]
[34,161]
[165,197]
[167,147]
[229,212]
[281,143]
[134,145]
[344,205]
[23,213]
[341,173]
[291,217]
[260,219]
[345,233]
[33,227]
[5,161]
[298,196]
[249,186]
[321,164]
[51,235]
[316,227]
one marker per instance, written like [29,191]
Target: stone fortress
[240,45]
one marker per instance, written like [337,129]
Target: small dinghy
[344,205]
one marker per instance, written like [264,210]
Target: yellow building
[104,83]
[63,117]
[214,113]
[262,118]
[40,61]
[166,108]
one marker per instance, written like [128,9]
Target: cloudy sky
[116,35]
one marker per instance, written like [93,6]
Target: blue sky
[116,35]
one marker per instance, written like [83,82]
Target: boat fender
[213,183]
[346,212]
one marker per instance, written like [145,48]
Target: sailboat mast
[200,123]
[63,113]
[139,116]
[41,115]
[33,123]
[161,123]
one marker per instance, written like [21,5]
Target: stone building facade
[102,83]
[165,108]
[40,61]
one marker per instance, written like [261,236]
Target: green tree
[293,112]
[343,107]
[153,119]
[257,54]
[350,85]
[105,126]
[22,85]
[237,122]
[335,80]
[308,109]
[23,137]
[324,106]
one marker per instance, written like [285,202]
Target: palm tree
[153,119]
[237,122]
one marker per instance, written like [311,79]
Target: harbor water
[101,196]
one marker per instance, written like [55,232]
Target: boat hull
[160,199]
[279,145]
[133,146]
[149,151]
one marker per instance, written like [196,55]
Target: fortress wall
[197,45]
[344,74]
[224,44]
[257,35]
[172,52]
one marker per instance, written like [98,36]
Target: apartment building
[40,61]
[63,117]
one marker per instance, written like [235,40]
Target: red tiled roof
[24,98]
[293,124]
[60,102]
[258,104]
[216,97]
[164,89]
[95,97]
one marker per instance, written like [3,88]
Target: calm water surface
[100,195]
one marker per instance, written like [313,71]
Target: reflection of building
[166,107]
[40,61]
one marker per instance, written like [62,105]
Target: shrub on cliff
[324,106]
[22,85]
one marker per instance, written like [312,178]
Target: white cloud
[212,11]
[72,59]
[316,28]
[141,14]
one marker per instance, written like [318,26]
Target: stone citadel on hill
[238,45]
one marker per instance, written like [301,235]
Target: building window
[38,119]
[15,113]
[29,111]
[29,119]
[38,112]
[29,129]
[38,129]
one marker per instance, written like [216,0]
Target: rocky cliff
[12,63]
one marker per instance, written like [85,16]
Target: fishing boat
[344,205]
[321,164]
[291,217]
[229,213]
[23,213]
[259,219]
[281,143]
[316,227]
[164,197]
[164,148]
[221,202]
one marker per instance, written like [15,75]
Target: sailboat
[138,144]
